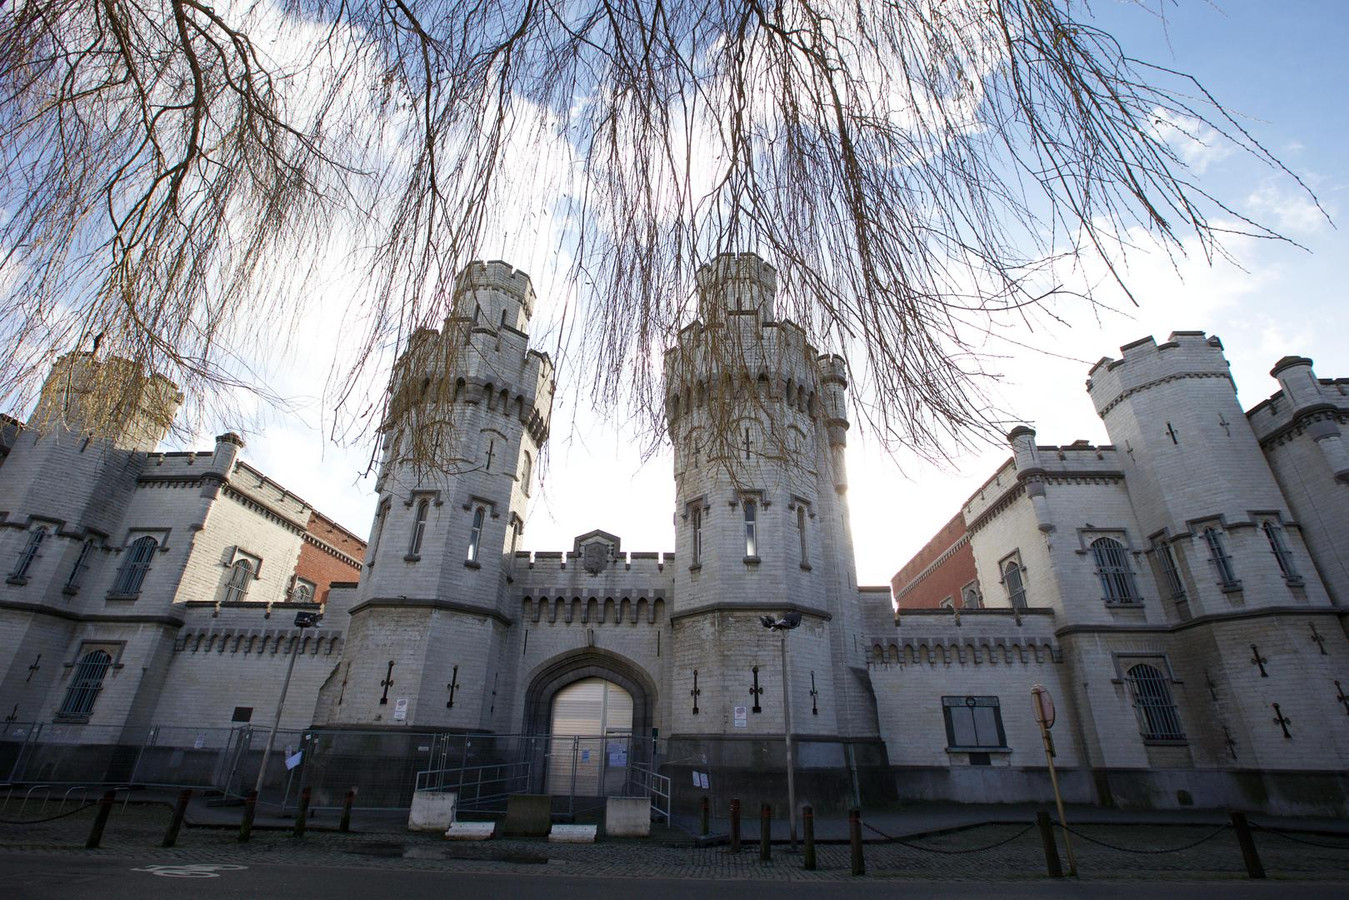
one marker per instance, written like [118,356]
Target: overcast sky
[1281,68]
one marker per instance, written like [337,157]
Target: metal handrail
[507,775]
[656,787]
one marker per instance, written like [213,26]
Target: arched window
[1274,534]
[303,592]
[135,565]
[1112,567]
[1016,590]
[526,473]
[241,573]
[29,554]
[751,528]
[1221,561]
[1157,716]
[475,534]
[970,599]
[1166,560]
[948,603]
[696,525]
[419,527]
[81,563]
[85,684]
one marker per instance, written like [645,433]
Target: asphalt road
[113,877]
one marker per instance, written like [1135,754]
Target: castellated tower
[1201,487]
[469,410]
[758,423]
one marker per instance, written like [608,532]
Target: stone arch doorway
[569,677]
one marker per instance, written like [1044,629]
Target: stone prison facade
[1181,592]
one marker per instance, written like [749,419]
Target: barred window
[29,554]
[970,599]
[85,684]
[419,528]
[1274,534]
[303,592]
[241,573]
[1218,554]
[475,534]
[1016,590]
[81,563]
[1166,560]
[1151,693]
[1112,567]
[973,722]
[135,565]
[751,528]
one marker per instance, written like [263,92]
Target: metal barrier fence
[643,782]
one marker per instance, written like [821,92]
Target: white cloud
[1290,211]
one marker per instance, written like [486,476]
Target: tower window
[751,528]
[1166,561]
[526,473]
[1112,567]
[801,535]
[1016,588]
[134,568]
[1284,556]
[381,516]
[475,534]
[28,556]
[1221,561]
[696,524]
[81,564]
[303,592]
[419,528]
[1157,716]
[241,573]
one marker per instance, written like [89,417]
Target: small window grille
[1112,567]
[132,574]
[1218,554]
[29,554]
[1166,560]
[1274,534]
[303,593]
[419,527]
[241,573]
[1151,693]
[85,684]
[1016,589]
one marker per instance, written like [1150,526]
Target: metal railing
[653,785]
[482,788]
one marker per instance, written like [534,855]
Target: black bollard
[1254,868]
[100,820]
[859,865]
[246,824]
[765,833]
[705,826]
[345,825]
[180,810]
[735,826]
[808,835]
[1051,846]
[302,814]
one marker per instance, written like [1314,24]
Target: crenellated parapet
[967,637]
[1145,364]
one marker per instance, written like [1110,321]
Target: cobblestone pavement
[990,852]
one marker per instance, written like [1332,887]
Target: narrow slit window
[29,554]
[475,534]
[751,528]
[801,534]
[1016,588]
[1166,560]
[1218,553]
[1284,556]
[81,564]
[696,525]
[419,527]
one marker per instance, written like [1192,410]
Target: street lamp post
[785,624]
[303,619]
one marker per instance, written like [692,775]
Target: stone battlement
[1144,363]
[498,275]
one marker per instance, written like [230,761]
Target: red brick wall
[321,567]
[946,580]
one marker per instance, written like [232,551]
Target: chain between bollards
[765,833]
[100,820]
[1254,868]
[1052,863]
[808,836]
[859,865]
[345,825]
[180,810]
[302,813]
[246,824]
[735,826]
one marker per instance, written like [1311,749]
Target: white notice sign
[293,761]
[400,709]
[742,717]
[697,779]
[702,776]
[199,742]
